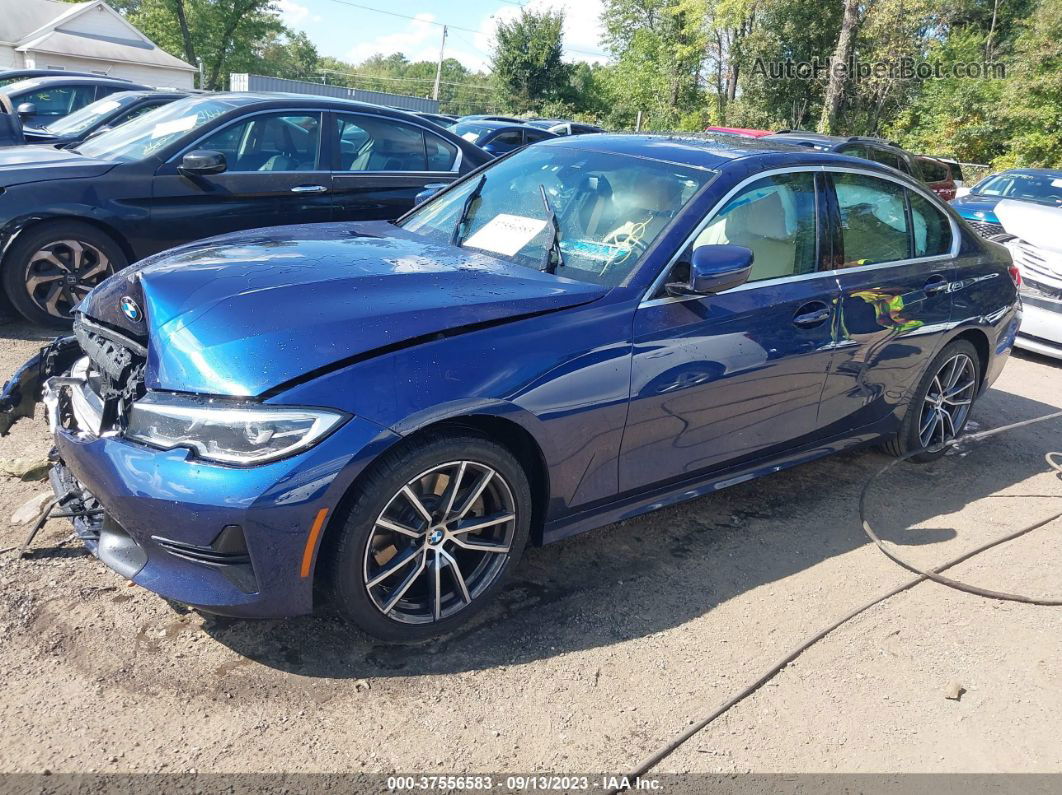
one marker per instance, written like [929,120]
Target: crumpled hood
[242,313]
[23,164]
[1034,223]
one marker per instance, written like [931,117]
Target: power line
[448,24]
[363,76]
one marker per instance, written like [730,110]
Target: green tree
[526,63]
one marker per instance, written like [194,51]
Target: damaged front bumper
[230,540]
[25,388]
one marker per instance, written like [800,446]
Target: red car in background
[937,175]
[747,132]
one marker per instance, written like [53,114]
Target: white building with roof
[84,37]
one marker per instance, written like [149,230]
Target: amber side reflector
[311,542]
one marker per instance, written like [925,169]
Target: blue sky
[343,30]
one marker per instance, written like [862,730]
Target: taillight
[1015,274]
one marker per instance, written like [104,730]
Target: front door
[896,295]
[735,376]
[273,177]
[382,164]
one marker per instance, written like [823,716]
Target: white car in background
[1034,237]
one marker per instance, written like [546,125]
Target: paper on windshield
[1056,183]
[506,234]
[108,105]
[170,127]
[470,136]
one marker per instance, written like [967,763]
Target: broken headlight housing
[228,432]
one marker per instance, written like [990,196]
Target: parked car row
[381,416]
[200,166]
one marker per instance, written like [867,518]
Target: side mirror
[714,269]
[26,109]
[203,162]
[429,190]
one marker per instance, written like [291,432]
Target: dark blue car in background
[384,415]
[1037,185]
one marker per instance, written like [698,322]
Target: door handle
[936,284]
[812,314]
[309,189]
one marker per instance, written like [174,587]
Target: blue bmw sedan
[383,415]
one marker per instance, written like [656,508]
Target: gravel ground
[602,648]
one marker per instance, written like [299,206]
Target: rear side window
[775,218]
[532,137]
[933,170]
[887,158]
[930,227]
[367,143]
[508,138]
[441,154]
[873,219]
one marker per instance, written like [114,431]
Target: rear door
[380,164]
[895,273]
[274,176]
[736,376]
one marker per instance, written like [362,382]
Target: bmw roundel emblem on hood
[130,309]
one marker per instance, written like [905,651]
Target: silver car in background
[1035,242]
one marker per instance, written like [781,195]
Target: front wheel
[51,267]
[432,535]
[941,404]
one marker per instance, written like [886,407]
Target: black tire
[363,550]
[44,291]
[910,437]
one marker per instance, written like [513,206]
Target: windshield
[81,120]
[472,130]
[1042,188]
[147,134]
[609,208]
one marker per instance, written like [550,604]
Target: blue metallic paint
[631,406]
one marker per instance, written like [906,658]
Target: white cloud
[418,41]
[292,13]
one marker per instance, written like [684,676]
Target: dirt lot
[603,647]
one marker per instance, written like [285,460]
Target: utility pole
[438,69]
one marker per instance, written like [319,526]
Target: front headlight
[225,431]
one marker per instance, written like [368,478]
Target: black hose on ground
[1054,460]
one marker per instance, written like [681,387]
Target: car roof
[58,80]
[704,150]
[143,93]
[802,137]
[56,73]
[1034,172]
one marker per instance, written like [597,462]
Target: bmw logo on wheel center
[130,309]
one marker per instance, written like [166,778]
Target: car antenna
[553,257]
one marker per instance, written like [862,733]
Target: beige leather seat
[759,225]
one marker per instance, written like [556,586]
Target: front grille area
[99,390]
[986,229]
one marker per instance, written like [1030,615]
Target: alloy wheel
[61,273]
[440,542]
[947,403]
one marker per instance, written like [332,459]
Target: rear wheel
[51,268]
[941,405]
[431,537]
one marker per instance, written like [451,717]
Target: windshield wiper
[455,238]
[552,257]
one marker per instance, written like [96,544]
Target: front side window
[378,144]
[58,100]
[932,232]
[775,217]
[280,142]
[609,209]
[873,219]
